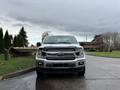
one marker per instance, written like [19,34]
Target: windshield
[60,40]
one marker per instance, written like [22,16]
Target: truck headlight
[38,54]
[41,53]
[80,53]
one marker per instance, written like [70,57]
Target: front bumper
[60,70]
[58,66]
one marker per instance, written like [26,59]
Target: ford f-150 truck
[60,54]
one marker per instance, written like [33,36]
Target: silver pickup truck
[60,54]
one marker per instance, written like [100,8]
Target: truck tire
[39,74]
[82,73]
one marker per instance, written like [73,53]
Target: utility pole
[86,37]
[6,54]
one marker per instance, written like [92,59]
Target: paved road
[101,74]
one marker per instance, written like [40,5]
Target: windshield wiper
[50,43]
[57,42]
[64,42]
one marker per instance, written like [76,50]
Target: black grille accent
[60,58]
[59,49]
[65,56]
[61,65]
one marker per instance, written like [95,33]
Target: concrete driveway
[101,74]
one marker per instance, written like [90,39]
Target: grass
[15,64]
[114,54]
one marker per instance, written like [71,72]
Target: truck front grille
[60,53]
[65,56]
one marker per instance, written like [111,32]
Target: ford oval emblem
[60,54]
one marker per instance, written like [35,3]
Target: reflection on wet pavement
[101,74]
[60,82]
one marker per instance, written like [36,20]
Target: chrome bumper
[43,63]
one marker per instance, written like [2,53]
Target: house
[95,45]
[22,51]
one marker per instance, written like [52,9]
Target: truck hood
[60,45]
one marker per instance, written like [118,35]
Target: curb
[17,73]
[1,77]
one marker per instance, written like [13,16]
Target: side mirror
[79,43]
[38,44]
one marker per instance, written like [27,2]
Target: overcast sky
[75,17]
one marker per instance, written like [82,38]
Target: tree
[111,41]
[20,41]
[11,39]
[44,35]
[108,42]
[116,40]
[23,38]
[1,40]
[15,41]
[7,40]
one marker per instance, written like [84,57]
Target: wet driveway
[101,74]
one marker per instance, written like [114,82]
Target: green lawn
[15,64]
[114,54]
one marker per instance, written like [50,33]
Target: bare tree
[45,34]
[107,41]
[111,41]
[116,40]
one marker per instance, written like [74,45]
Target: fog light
[40,63]
[81,63]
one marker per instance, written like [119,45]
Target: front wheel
[39,74]
[82,73]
